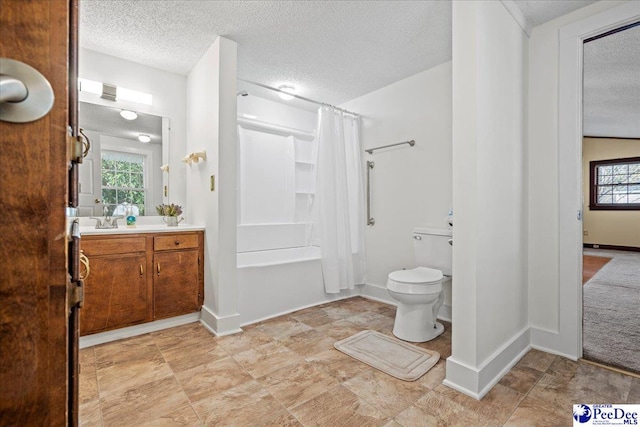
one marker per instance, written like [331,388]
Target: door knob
[25,94]
[97,200]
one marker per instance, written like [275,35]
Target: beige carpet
[397,358]
[611,312]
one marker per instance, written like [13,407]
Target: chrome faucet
[107,222]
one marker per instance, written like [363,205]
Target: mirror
[120,169]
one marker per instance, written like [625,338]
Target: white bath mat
[397,358]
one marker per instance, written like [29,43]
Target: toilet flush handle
[417,237]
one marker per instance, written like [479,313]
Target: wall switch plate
[585,233]
[213,183]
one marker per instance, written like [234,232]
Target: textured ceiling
[612,85]
[331,51]
[540,11]
[107,121]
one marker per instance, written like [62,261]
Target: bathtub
[275,282]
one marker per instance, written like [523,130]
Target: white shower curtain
[339,216]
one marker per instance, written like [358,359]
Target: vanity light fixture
[144,138]
[90,86]
[129,115]
[134,96]
[289,89]
[113,92]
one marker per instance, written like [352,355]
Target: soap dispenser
[131,218]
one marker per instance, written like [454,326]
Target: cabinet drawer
[113,245]
[175,241]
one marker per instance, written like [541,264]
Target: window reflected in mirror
[122,170]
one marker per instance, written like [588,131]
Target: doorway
[611,198]
[570,205]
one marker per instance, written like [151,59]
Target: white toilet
[419,290]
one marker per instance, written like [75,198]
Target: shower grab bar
[371,150]
[370,219]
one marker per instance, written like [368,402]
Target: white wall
[277,113]
[211,125]
[543,166]
[608,227]
[411,186]
[169,100]
[489,251]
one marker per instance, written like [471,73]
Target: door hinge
[75,294]
[78,147]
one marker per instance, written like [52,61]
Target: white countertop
[139,228]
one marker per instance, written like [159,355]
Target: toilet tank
[431,249]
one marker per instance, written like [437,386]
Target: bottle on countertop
[131,218]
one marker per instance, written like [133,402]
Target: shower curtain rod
[299,97]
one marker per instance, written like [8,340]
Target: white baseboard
[282,313]
[132,331]
[380,294]
[376,293]
[549,342]
[220,326]
[445,313]
[478,381]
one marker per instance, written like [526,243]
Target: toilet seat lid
[416,275]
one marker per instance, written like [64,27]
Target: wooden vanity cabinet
[138,278]
[118,291]
[178,280]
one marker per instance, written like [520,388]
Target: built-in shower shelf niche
[305,151]
[305,163]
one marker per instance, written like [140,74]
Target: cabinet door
[176,283]
[115,293]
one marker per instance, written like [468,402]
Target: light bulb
[128,115]
[144,138]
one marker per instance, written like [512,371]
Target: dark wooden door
[176,284]
[115,293]
[36,371]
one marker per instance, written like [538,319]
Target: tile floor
[285,372]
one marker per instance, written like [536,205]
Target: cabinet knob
[177,242]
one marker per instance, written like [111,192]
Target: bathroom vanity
[136,277]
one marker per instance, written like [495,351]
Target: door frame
[570,137]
